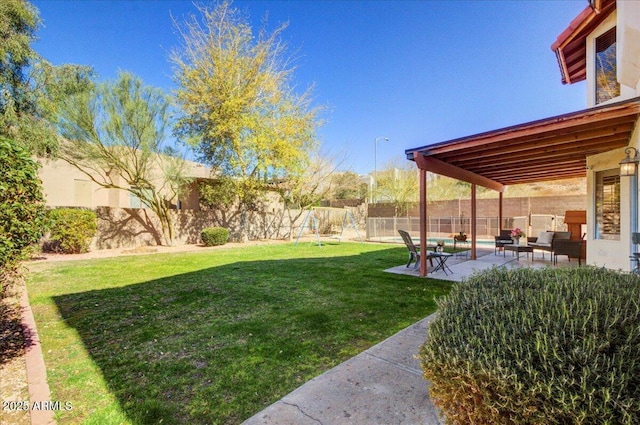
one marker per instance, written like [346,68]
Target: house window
[608,205]
[82,193]
[607,86]
[135,201]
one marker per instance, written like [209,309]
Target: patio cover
[548,149]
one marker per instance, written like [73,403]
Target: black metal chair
[503,239]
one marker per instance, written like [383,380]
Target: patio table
[441,260]
[518,249]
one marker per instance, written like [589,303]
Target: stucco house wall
[66,186]
[628,34]
[614,254]
[120,225]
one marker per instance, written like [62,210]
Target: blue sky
[417,72]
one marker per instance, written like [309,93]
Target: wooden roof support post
[423,222]
[474,219]
[500,204]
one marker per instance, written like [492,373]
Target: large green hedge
[22,208]
[551,346]
[72,229]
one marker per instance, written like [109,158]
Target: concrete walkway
[384,384]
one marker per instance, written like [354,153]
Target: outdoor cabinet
[574,221]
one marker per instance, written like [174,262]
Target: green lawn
[213,336]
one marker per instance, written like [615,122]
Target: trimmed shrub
[212,236]
[22,208]
[551,346]
[72,229]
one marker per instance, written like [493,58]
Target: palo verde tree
[238,103]
[116,135]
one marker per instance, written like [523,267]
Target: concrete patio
[462,266]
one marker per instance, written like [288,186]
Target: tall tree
[30,87]
[348,185]
[306,189]
[239,105]
[399,184]
[18,24]
[116,135]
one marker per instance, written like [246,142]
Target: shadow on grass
[219,344]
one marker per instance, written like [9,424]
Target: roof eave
[573,38]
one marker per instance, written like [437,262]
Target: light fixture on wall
[629,165]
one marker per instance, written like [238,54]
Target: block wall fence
[512,207]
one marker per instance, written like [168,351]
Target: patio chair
[414,252]
[572,249]
[503,239]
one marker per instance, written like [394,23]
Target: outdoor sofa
[548,241]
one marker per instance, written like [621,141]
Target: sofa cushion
[544,238]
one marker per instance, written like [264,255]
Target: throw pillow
[545,238]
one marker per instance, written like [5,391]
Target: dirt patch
[14,392]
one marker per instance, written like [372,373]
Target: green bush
[212,236]
[22,208]
[551,346]
[72,229]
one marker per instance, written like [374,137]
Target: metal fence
[386,228]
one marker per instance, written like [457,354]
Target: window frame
[607,205]
[605,53]
[134,200]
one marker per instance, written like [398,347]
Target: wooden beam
[557,124]
[569,145]
[536,172]
[474,219]
[423,222]
[445,169]
[529,179]
[500,204]
[595,130]
[563,167]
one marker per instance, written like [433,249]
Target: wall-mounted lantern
[629,165]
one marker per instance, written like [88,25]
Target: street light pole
[375,165]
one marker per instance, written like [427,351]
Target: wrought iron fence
[386,228]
